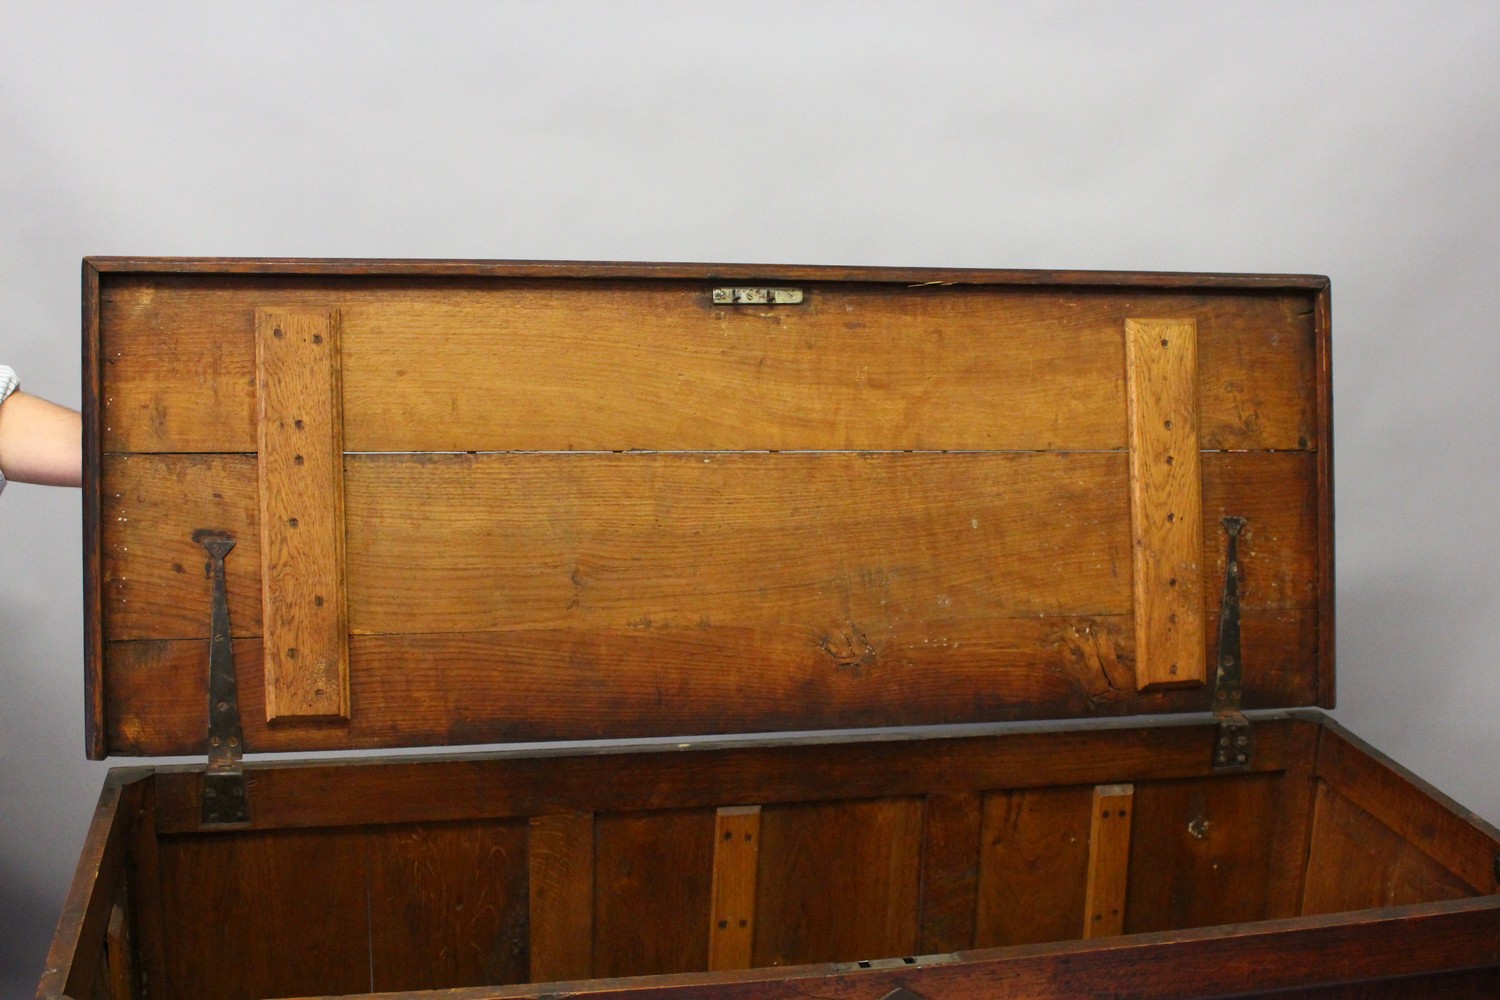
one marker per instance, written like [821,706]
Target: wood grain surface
[1356,862]
[653,881]
[536,365]
[1033,868]
[266,914]
[448,905]
[1109,861]
[1166,500]
[782,591]
[731,918]
[301,475]
[951,822]
[560,856]
[1200,852]
[887,505]
[838,881]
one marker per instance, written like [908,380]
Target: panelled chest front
[800,511]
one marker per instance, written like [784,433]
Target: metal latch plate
[757,296]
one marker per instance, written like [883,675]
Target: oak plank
[556,533]
[731,919]
[838,547]
[301,473]
[448,905]
[560,856]
[1200,851]
[266,914]
[932,278]
[1323,412]
[1033,870]
[1109,861]
[156,578]
[858,366]
[653,879]
[552,684]
[1453,836]
[1292,831]
[838,881]
[74,957]
[1356,862]
[951,827]
[1166,501]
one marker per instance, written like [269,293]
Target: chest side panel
[606,506]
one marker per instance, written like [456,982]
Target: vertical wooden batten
[731,931]
[1109,861]
[301,471]
[1166,501]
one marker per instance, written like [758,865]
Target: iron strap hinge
[225,802]
[1234,744]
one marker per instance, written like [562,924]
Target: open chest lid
[459,503]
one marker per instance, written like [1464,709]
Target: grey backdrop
[1358,140]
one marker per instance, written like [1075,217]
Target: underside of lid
[479,502]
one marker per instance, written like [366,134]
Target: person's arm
[40,442]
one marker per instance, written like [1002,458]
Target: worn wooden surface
[448,905]
[299,425]
[266,914]
[731,917]
[341,793]
[951,823]
[862,609]
[1033,868]
[418,690]
[1200,852]
[839,881]
[858,366]
[76,956]
[560,856]
[1451,835]
[1292,826]
[518,866]
[94,721]
[1355,862]
[143,873]
[1166,500]
[118,960]
[741,507]
[653,881]
[1109,861]
[1336,955]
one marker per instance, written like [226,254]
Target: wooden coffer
[835,598]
